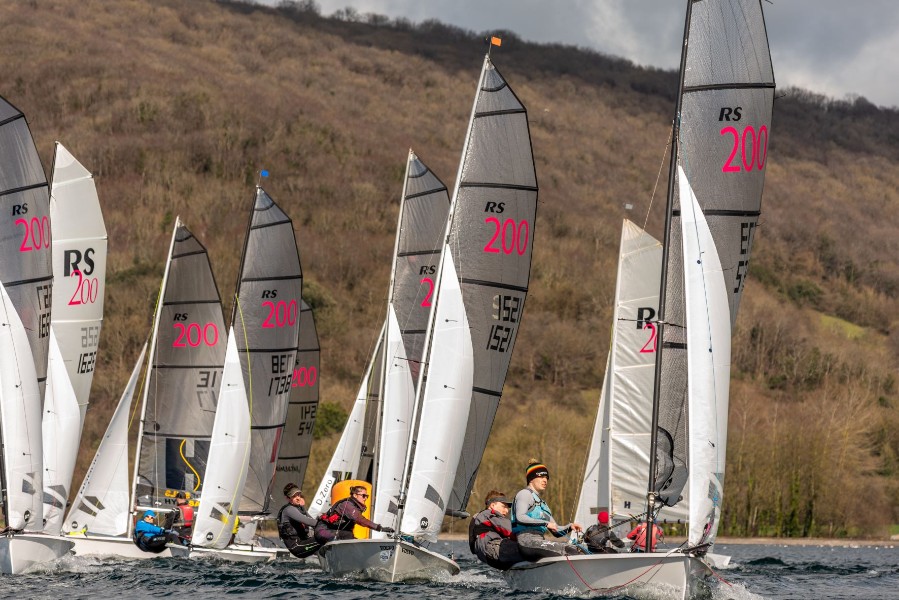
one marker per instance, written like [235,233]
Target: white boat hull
[242,553]
[120,547]
[20,551]
[638,575]
[384,560]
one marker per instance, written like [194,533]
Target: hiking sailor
[599,536]
[294,524]
[532,518]
[152,538]
[490,533]
[184,520]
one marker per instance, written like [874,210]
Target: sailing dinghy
[716,177]
[79,281]
[374,442]
[180,394]
[265,329]
[26,280]
[478,299]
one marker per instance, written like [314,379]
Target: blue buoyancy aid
[539,510]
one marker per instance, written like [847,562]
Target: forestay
[184,374]
[79,283]
[721,141]
[266,320]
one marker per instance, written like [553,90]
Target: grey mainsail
[293,457]
[25,234]
[184,374]
[268,292]
[722,129]
[421,227]
[496,197]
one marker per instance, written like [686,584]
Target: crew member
[149,537]
[532,518]
[638,534]
[294,524]
[338,522]
[599,536]
[490,533]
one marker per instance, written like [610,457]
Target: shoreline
[723,541]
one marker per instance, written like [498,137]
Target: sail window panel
[728,44]
[21,163]
[673,418]
[263,454]
[168,463]
[499,152]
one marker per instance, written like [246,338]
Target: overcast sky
[835,47]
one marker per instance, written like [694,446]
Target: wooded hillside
[175,106]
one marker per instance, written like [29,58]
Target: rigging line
[658,176]
[246,339]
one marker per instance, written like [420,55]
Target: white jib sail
[229,456]
[79,279]
[708,365]
[345,460]
[618,462]
[444,410]
[102,504]
[396,425]
[61,427]
[20,419]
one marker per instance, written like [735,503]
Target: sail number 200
[751,145]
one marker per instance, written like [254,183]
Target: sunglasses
[362,495]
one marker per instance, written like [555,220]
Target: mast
[153,336]
[652,495]
[382,384]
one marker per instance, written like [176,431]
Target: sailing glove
[387,530]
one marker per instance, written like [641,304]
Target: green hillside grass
[175,106]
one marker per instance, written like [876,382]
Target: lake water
[756,571]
